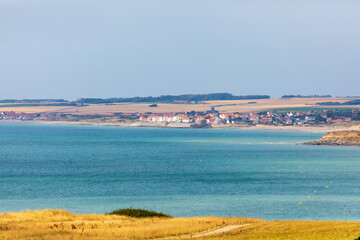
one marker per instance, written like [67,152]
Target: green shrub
[138,213]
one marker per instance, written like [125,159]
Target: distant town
[201,119]
[189,110]
[214,117]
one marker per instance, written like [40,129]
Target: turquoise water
[183,172]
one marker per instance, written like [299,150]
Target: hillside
[273,104]
[59,224]
[173,98]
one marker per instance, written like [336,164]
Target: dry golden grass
[223,106]
[59,224]
[37,109]
[294,230]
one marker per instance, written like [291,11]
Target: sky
[124,48]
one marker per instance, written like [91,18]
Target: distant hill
[352,102]
[33,100]
[306,96]
[173,98]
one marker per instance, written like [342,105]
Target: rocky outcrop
[344,138]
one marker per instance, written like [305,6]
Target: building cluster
[272,118]
[208,118]
[10,115]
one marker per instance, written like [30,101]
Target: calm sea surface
[183,172]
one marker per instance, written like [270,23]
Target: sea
[182,172]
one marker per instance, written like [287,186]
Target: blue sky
[70,49]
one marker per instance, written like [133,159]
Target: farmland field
[223,106]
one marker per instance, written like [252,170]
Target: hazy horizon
[73,49]
[73,99]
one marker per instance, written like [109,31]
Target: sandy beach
[321,128]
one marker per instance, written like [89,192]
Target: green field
[307,109]
[35,105]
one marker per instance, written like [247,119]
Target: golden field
[59,224]
[294,230]
[223,106]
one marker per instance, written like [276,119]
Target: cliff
[345,138]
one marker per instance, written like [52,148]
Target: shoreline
[186,125]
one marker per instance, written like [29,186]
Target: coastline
[338,138]
[323,128]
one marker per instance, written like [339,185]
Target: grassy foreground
[294,230]
[59,224]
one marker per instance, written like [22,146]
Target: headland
[343,138]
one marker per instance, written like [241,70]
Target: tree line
[173,98]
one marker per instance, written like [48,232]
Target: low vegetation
[32,100]
[18,105]
[352,102]
[172,98]
[138,213]
[306,96]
